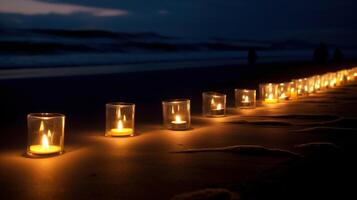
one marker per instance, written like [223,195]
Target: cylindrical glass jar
[269,93]
[317,82]
[45,134]
[341,77]
[213,104]
[245,98]
[301,86]
[284,91]
[332,80]
[176,114]
[120,119]
[350,76]
[292,91]
[325,81]
[311,84]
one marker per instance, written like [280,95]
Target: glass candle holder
[292,91]
[324,82]
[120,119]
[287,91]
[269,93]
[283,91]
[176,114]
[213,104]
[311,84]
[301,86]
[245,98]
[317,82]
[352,74]
[341,77]
[332,80]
[45,134]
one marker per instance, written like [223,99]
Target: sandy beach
[294,150]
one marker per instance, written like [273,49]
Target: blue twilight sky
[333,21]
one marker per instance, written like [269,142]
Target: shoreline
[110,69]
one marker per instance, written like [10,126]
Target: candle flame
[45,144]
[270,96]
[124,118]
[120,125]
[219,106]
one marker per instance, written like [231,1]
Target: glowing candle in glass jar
[311,84]
[282,91]
[245,98]
[317,82]
[213,104]
[120,118]
[46,134]
[178,120]
[176,114]
[269,93]
[292,90]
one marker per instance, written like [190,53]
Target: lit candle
[120,130]
[270,93]
[216,108]
[271,99]
[281,91]
[245,99]
[45,147]
[178,120]
[176,114]
[293,93]
[178,123]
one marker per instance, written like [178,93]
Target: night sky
[314,20]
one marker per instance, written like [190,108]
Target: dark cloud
[329,20]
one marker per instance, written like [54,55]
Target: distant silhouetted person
[252,56]
[321,53]
[337,55]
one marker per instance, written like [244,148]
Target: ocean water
[48,53]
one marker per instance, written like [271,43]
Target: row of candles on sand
[46,130]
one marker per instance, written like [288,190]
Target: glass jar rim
[218,94]
[245,90]
[45,115]
[120,104]
[174,101]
